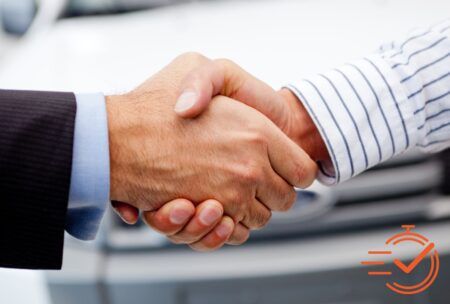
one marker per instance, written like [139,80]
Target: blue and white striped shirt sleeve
[372,109]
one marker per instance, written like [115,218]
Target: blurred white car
[310,255]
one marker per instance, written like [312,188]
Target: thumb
[198,88]
[126,212]
[224,77]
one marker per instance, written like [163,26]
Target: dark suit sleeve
[36,139]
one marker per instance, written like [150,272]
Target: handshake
[206,152]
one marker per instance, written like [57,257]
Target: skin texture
[224,77]
[157,157]
[300,128]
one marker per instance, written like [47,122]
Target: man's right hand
[224,77]
[232,153]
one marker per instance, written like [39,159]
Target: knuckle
[193,56]
[252,174]
[301,174]
[235,204]
[307,173]
[289,200]
[240,216]
[224,62]
[235,197]
[258,137]
[312,173]
[282,197]
[260,219]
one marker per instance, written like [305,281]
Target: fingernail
[186,100]
[123,218]
[128,217]
[127,221]
[179,216]
[209,215]
[223,230]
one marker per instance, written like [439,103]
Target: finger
[198,88]
[239,236]
[275,193]
[216,238]
[126,212]
[289,160]
[226,78]
[207,215]
[171,217]
[246,88]
[257,216]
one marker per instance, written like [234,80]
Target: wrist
[303,129]
[135,126]
[114,131]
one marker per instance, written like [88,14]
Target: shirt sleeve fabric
[370,110]
[89,186]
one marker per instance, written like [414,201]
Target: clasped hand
[207,152]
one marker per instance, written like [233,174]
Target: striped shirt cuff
[362,113]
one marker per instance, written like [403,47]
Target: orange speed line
[380,252]
[379,273]
[372,263]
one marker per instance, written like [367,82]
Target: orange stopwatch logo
[427,253]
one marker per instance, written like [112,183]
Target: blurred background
[310,255]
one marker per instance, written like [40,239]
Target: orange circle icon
[427,250]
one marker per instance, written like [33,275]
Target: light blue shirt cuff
[89,185]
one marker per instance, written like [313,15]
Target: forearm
[422,66]
[372,109]
[35,164]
